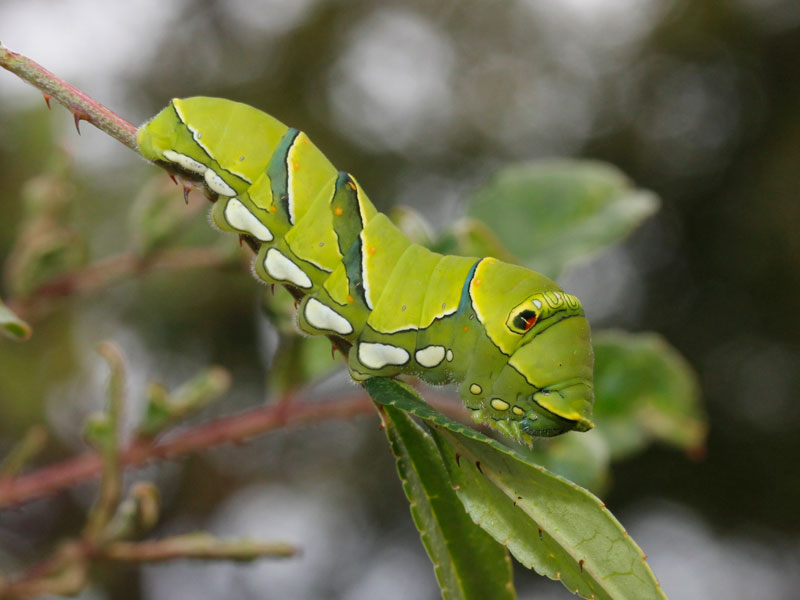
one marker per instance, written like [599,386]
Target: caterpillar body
[517,344]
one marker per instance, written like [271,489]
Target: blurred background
[696,100]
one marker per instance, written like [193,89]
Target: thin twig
[195,545]
[26,450]
[64,573]
[108,445]
[80,105]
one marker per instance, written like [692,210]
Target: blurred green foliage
[645,390]
[695,100]
[552,212]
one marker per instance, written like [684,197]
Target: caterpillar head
[545,388]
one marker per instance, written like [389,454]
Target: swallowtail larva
[518,345]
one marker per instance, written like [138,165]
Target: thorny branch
[79,104]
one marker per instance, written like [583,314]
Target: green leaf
[44,250]
[157,218]
[413,225]
[472,237]
[98,431]
[580,457]
[164,408]
[549,524]
[32,443]
[467,561]
[103,431]
[12,326]
[645,390]
[551,212]
[137,514]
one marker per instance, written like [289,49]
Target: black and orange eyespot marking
[525,320]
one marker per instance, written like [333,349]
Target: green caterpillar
[518,345]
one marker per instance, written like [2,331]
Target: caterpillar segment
[518,346]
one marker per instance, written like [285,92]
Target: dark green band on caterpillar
[517,344]
[278,173]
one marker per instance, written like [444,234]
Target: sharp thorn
[77,123]
[47,100]
[171,176]
[241,240]
[272,288]
[186,191]
[334,348]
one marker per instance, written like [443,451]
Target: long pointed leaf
[469,564]
[580,542]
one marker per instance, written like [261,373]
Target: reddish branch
[80,105]
[233,428]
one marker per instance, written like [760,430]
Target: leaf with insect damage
[548,524]
[468,563]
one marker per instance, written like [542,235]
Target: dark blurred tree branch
[228,429]
[66,571]
[234,428]
[101,274]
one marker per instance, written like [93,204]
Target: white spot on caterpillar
[280,267]
[324,317]
[537,304]
[449,356]
[239,217]
[499,404]
[377,356]
[475,389]
[217,184]
[185,162]
[430,356]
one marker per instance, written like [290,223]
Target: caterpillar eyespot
[404,309]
